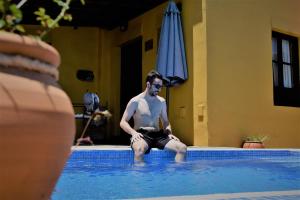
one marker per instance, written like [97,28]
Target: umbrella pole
[167,99]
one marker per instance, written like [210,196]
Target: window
[285,61]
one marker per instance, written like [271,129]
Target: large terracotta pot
[37,124]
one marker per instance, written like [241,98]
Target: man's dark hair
[152,75]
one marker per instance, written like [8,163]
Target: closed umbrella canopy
[171,60]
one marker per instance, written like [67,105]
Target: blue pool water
[109,174]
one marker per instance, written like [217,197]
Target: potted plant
[254,141]
[36,116]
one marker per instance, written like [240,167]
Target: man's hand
[136,137]
[173,137]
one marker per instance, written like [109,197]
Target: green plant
[255,138]
[11,16]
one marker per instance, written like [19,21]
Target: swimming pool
[112,174]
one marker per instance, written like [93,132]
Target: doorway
[131,77]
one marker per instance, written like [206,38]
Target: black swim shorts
[154,139]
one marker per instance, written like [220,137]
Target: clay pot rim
[11,43]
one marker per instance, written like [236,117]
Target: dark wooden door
[131,75]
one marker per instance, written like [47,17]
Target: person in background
[96,117]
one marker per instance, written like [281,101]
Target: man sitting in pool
[147,109]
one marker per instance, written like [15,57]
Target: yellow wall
[229,93]
[194,24]
[239,71]
[79,49]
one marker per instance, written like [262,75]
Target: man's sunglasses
[157,86]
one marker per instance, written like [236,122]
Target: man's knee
[140,150]
[181,148]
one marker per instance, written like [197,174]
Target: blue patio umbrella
[171,60]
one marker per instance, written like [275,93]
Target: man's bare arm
[164,118]
[128,113]
[165,122]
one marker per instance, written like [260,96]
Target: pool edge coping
[190,148]
[246,195]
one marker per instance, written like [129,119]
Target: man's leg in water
[179,148]
[139,148]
